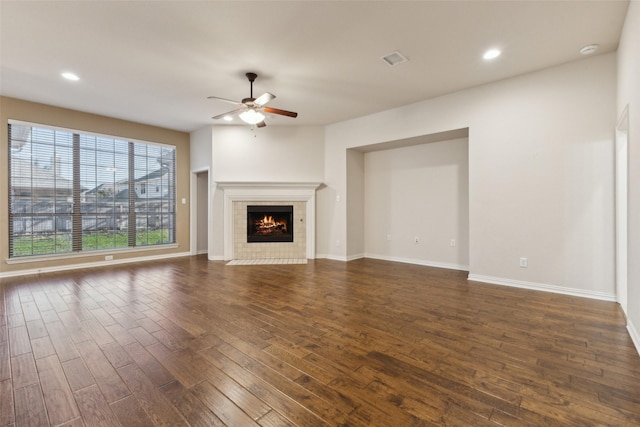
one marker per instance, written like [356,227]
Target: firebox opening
[269,223]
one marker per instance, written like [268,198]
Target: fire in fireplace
[269,223]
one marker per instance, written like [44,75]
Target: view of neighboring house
[151,186]
[41,190]
[110,202]
[35,181]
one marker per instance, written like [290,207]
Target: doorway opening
[622,181]
[200,213]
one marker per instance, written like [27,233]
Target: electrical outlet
[524,262]
[416,239]
[108,258]
[389,237]
[453,242]
[338,243]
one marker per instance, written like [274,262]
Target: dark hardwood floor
[364,343]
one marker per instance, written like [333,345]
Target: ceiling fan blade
[261,124]
[264,98]
[224,100]
[219,116]
[280,112]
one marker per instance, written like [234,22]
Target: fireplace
[269,223]
[239,195]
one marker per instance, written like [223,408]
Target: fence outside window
[72,191]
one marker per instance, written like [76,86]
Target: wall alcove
[398,190]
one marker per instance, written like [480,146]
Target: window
[76,192]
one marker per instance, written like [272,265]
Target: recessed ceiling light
[227,118]
[491,54]
[70,76]
[394,58]
[589,49]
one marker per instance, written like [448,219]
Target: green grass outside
[98,240]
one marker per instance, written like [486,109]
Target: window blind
[74,192]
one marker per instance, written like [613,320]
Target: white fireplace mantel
[243,191]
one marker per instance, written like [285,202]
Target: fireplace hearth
[267,224]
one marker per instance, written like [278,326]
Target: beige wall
[16,109]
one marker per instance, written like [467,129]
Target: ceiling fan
[251,108]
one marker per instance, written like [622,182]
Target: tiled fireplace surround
[237,195]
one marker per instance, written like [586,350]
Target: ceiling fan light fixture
[251,116]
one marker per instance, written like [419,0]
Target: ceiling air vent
[394,58]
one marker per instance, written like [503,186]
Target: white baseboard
[215,257]
[332,257]
[394,259]
[425,263]
[91,264]
[635,337]
[354,257]
[543,287]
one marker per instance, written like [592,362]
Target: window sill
[75,255]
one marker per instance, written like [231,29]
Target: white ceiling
[156,62]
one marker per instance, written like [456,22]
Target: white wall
[629,94]
[270,154]
[201,149]
[540,173]
[276,154]
[237,153]
[419,191]
[201,160]
[355,204]
[331,225]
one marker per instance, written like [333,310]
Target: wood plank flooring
[364,343]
